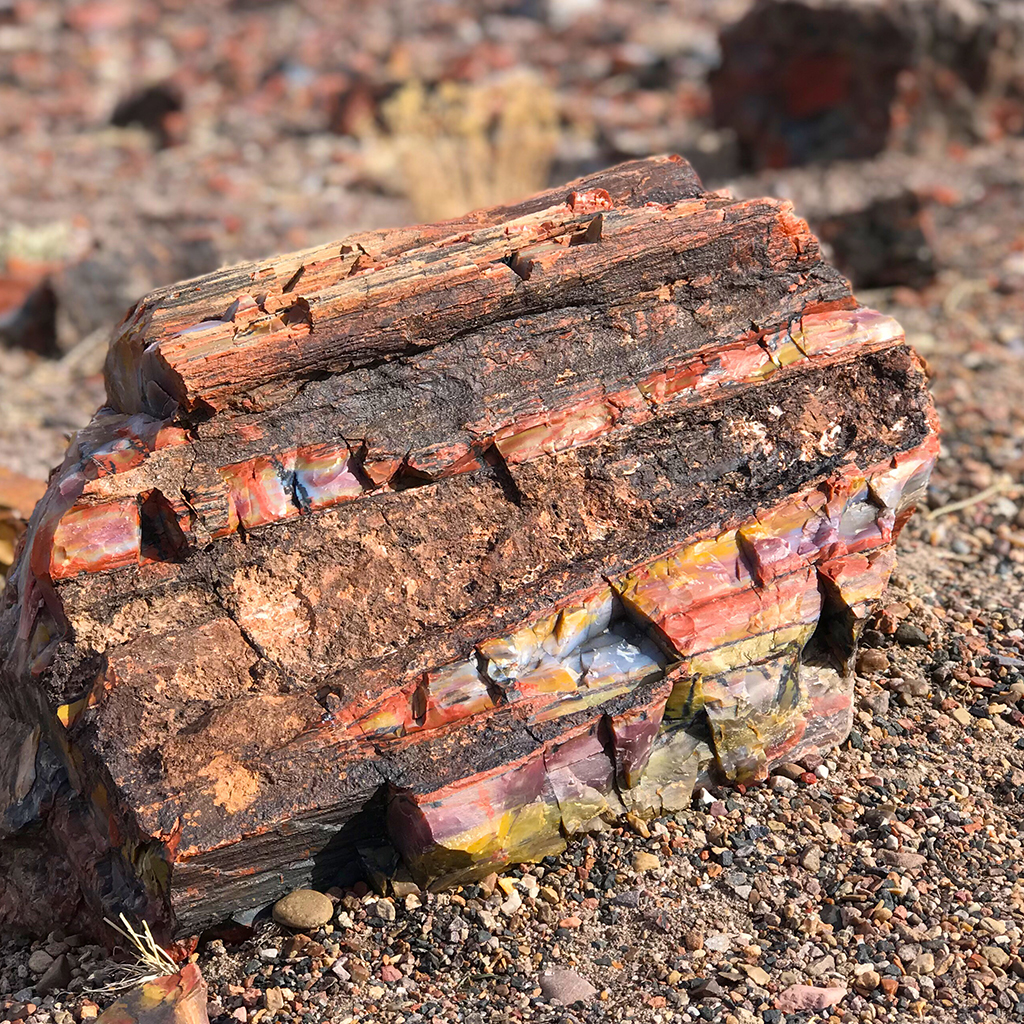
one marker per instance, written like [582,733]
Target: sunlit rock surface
[460,539]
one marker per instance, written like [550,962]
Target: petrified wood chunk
[170,999]
[805,81]
[468,536]
[884,243]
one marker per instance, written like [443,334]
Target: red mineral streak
[111,444]
[791,600]
[690,574]
[704,377]
[686,593]
[553,431]
[453,693]
[860,579]
[816,339]
[96,538]
[381,471]
[393,716]
[170,437]
[581,776]
[256,491]
[442,462]
[326,475]
[518,813]
[633,733]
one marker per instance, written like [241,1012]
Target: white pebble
[512,904]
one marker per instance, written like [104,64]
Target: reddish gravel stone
[808,997]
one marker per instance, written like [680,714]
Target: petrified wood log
[466,537]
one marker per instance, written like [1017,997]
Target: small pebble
[644,861]
[304,910]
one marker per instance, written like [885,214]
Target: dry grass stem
[151,959]
[1004,486]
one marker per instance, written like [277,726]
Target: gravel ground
[891,874]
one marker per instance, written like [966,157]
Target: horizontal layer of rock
[613,250]
[105,528]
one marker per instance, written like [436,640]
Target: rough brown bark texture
[455,539]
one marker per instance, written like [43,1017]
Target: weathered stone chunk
[304,909]
[442,544]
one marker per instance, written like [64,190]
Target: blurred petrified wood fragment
[462,537]
[808,81]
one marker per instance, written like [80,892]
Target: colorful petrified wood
[463,538]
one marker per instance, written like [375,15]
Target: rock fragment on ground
[303,910]
[566,987]
[172,999]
